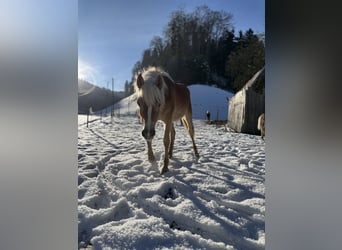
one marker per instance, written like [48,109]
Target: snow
[213,99]
[214,202]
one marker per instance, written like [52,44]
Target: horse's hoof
[164,170]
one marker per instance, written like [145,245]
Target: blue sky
[112,34]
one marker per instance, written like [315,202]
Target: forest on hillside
[201,47]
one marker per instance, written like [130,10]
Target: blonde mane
[149,91]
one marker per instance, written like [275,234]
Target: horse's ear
[140,81]
[159,81]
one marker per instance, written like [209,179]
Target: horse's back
[178,99]
[183,91]
[177,92]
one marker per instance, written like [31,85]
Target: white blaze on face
[149,120]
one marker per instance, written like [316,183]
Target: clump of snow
[215,202]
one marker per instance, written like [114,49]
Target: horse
[161,99]
[261,125]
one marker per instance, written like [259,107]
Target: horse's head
[150,100]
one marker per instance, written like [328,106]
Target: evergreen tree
[127,88]
[246,60]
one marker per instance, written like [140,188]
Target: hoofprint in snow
[215,202]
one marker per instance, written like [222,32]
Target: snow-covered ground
[215,202]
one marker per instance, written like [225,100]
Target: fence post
[87,117]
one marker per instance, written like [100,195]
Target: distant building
[245,107]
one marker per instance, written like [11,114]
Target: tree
[246,60]
[136,68]
[155,55]
[217,59]
[195,39]
[127,88]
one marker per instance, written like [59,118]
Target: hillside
[90,95]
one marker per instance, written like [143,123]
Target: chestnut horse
[160,98]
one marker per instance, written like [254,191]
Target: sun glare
[86,71]
[81,70]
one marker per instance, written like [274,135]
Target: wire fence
[100,115]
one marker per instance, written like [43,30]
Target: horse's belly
[178,114]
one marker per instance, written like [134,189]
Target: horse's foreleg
[173,135]
[166,145]
[150,151]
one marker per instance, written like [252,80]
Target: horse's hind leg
[187,121]
[173,135]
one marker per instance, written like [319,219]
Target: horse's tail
[187,118]
[261,121]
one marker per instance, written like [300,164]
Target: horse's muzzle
[148,134]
